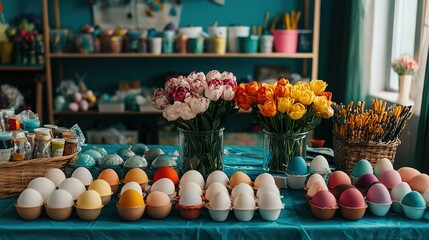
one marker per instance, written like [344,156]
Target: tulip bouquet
[286,112]
[199,104]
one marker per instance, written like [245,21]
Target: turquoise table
[295,221]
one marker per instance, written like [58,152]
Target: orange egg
[407,173]
[239,177]
[109,175]
[130,199]
[157,198]
[420,183]
[136,175]
[166,172]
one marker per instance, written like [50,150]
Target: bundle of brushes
[379,125]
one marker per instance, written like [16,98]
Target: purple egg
[365,181]
[378,193]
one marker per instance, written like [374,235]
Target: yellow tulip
[307,97]
[296,111]
[321,104]
[295,92]
[318,86]
[284,103]
[328,113]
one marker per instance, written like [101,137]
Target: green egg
[136,161]
[111,160]
[83,160]
[139,148]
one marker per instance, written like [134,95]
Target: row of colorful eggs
[59,202]
[380,194]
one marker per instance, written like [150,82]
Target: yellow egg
[89,200]
[239,177]
[136,175]
[157,198]
[130,199]
[101,186]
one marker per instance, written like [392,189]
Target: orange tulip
[252,88]
[283,82]
[328,95]
[242,99]
[264,94]
[268,109]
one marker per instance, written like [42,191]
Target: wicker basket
[15,176]
[348,153]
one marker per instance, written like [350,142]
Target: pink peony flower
[198,85]
[213,74]
[181,93]
[185,111]
[197,75]
[214,89]
[228,93]
[170,112]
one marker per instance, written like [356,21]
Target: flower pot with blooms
[199,104]
[286,112]
[405,67]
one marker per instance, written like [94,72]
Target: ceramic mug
[155,45]
[266,44]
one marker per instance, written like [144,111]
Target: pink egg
[365,181]
[83,105]
[378,193]
[74,107]
[420,183]
[407,173]
[77,96]
[337,178]
[324,199]
[390,178]
[352,198]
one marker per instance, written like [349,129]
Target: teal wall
[151,71]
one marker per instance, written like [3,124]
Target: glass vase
[279,149]
[201,151]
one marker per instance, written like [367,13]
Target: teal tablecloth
[295,222]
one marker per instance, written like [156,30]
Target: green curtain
[344,74]
[422,149]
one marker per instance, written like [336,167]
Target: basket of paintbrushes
[370,134]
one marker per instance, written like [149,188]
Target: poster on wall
[137,14]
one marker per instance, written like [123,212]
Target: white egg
[132,185]
[192,176]
[263,178]
[190,186]
[55,175]
[60,199]
[83,174]
[215,188]
[30,198]
[217,176]
[267,188]
[270,200]
[320,165]
[315,188]
[244,201]
[313,179]
[190,198]
[220,201]
[425,195]
[381,166]
[164,185]
[43,185]
[74,186]
[240,188]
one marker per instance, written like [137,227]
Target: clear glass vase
[201,151]
[279,149]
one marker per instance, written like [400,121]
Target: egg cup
[58,214]
[159,212]
[105,199]
[244,215]
[379,209]
[130,214]
[190,212]
[270,215]
[397,207]
[352,213]
[29,213]
[296,181]
[218,215]
[88,214]
[323,213]
[413,212]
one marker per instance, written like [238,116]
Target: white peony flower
[198,104]
[213,74]
[228,93]
[184,111]
[214,89]
[170,112]
[197,75]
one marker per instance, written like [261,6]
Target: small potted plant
[405,67]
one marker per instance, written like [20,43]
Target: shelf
[21,67]
[143,110]
[182,55]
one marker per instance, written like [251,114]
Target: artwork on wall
[271,73]
[137,14]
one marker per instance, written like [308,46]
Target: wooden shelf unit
[313,56]
[17,67]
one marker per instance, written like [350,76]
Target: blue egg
[361,168]
[101,150]
[125,154]
[83,160]
[94,154]
[111,160]
[139,148]
[136,161]
[414,199]
[297,166]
